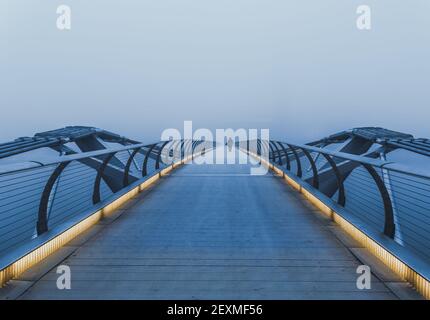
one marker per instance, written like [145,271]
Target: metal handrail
[403,203]
[35,183]
[22,166]
[383,164]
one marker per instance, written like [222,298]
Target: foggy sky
[298,67]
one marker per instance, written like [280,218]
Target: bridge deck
[213,232]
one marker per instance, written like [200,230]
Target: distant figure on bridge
[230,144]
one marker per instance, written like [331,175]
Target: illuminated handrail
[386,196]
[36,196]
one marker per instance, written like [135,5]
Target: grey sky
[298,67]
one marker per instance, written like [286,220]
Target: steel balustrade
[387,197]
[34,197]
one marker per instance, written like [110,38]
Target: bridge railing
[36,197]
[381,195]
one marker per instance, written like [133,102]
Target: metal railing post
[42,220]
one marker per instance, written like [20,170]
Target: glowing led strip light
[35,256]
[406,272]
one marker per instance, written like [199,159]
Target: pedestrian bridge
[151,222]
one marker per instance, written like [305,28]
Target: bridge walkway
[213,232]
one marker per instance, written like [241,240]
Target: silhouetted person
[230,144]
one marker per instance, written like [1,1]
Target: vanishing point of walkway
[213,232]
